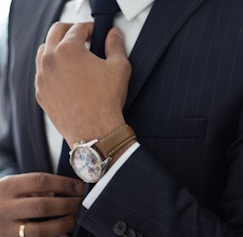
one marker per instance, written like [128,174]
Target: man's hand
[82,94]
[28,197]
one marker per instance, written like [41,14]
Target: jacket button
[119,228]
[130,233]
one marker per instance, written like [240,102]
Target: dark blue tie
[64,167]
[103,12]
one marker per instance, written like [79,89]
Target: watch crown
[74,146]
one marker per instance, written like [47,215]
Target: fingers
[79,33]
[116,53]
[50,228]
[57,32]
[60,40]
[114,45]
[30,196]
[53,38]
[61,33]
[36,207]
[40,52]
[53,228]
[34,183]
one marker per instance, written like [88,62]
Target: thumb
[114,44]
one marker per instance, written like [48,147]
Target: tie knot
[104,7]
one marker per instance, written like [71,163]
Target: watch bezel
[88,178]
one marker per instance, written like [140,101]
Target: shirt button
[119,228]
[130,233]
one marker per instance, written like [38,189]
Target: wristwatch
[90,160]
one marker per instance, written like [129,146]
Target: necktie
[64,167]
[103,12]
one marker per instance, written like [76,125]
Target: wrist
[97,131]
[90,160]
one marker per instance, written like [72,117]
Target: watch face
[87,164]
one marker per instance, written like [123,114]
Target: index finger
[79,32]
[56,33]
[27,184]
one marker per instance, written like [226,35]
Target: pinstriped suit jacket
[185,104]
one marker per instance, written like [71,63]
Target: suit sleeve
[152,202]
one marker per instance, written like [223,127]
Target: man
[184,102]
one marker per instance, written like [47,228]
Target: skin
[82,94]
[31,196]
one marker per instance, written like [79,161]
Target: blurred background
[4,10]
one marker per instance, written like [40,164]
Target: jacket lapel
[51,11]
[164,21]
[42,15]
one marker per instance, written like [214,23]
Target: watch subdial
[87,164]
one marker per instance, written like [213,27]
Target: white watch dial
[87,164]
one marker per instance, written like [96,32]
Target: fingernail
[79,186]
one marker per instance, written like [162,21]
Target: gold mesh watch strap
[115,140]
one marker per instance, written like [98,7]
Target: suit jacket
[185,104]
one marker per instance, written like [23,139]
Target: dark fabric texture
[184,103]
[103,13]
[64,168]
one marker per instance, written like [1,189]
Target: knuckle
[72,206]
[64,50]
[38,96]
[80,25]
[69,206]
[41,49]
[38,86]
[3,185]
[36,231]
[40,207]
[58,25]
[41,181]
[7,185]
[47,61]
[68,186]
[125,63]
[72,187]
[38,80]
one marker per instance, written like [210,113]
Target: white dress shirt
[130,21]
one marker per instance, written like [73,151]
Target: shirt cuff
[101,184]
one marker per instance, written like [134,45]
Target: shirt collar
[129,8]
